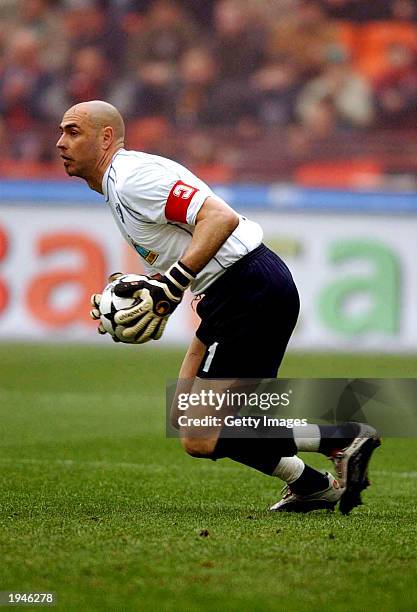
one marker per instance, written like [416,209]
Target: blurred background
[300,113]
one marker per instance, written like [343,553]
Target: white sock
[307,438]
[289,469]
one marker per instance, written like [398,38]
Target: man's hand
[159,296]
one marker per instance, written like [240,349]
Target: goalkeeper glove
[159,296]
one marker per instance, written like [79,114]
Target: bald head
[91,133]
[101,114]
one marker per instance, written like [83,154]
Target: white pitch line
[149,466]
[75,463]
[399,474]
[76,395]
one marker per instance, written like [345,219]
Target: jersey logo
[149,256]
[178,202]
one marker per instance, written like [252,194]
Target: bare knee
[199,447]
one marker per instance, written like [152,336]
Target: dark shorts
[247,318]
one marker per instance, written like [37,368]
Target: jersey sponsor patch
[149,256]
[178,202]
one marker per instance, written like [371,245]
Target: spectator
[396,91]
[341,88]
[154,90]
[197,76]
[307,37]
[204,157]
[238,46]
[167,33]
[319,123]
[38,17]
[275,89]
[89,78]
[205,99]
[86,24]
[22,83]
[237,49]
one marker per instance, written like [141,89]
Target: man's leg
[188,371]
[349,446]
[258,448]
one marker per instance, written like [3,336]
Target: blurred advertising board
[355,273]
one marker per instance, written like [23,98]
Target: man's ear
[108,137]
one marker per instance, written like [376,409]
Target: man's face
[79,144]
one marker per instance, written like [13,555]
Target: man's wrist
[186,269]
[179,277]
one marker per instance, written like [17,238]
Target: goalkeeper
[189,237]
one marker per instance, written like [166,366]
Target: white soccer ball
[111,303]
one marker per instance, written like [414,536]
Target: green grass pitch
[98,506]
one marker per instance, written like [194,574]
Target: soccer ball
[110,303]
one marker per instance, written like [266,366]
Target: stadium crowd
[198,67]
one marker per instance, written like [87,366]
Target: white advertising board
[355,273]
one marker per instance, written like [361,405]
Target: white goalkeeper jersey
[155,202]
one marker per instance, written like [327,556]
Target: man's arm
[215,222]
